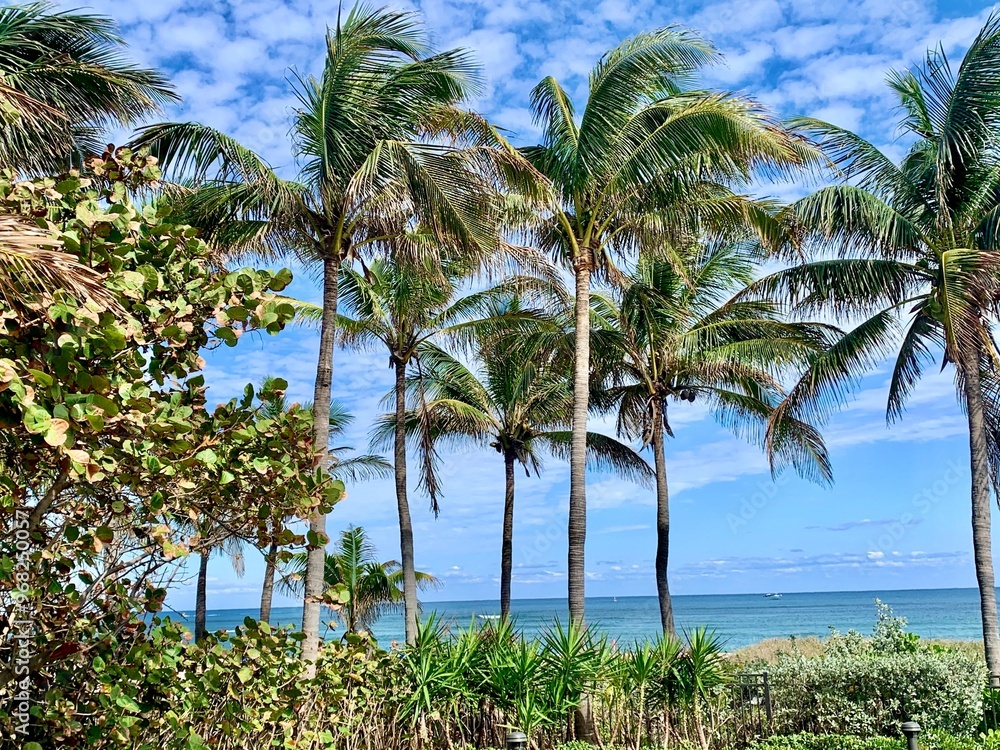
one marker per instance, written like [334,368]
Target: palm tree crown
[517,401]
[372,588]
[367,133]
[63,79]
[680,334]
[649,162]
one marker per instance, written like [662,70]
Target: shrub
[805,741]
[931,740]
[870,686]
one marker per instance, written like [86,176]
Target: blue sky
[898,514]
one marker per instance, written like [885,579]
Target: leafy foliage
[869,686]
[107,446]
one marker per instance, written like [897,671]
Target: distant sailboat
[614,599]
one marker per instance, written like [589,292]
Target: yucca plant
[701,671]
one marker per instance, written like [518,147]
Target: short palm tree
[358,468]
[647,160]
[400,307]
[517,401]
[373,588]
[918,240]
[368,134]
[681,334]
[63,79]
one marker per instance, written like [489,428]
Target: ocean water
[738,619]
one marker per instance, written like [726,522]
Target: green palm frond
[604,454]
[64,79]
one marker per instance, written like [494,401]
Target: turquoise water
[739,619]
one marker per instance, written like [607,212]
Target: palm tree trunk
[267,590]
[507,546]
[577,532]
[403,507]
[981,511]
[585,729]
[312,604]
[662,531]
[201,598]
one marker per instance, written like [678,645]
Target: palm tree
[518,402]
[680,334]
[213,538]
[355,469]
[400,307]
[919,240]
[63,79]
[647,160]
[366,135]
[372,588]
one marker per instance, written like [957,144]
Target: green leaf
[281,279]
[245,674]
[226,335]
[36,420]
[207,457]
[105,534]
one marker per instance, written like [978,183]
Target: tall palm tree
[680,334]
[63,79]
[373,588]
[518,402]
[917,241]
[648,159]
[367,134]
[400,307]
[359,468]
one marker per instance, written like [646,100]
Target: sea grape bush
[108,448]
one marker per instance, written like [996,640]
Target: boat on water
[488,617]
[772,596]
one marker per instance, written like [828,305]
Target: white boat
[488,617]
[772,596]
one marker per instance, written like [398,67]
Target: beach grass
[770,650]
